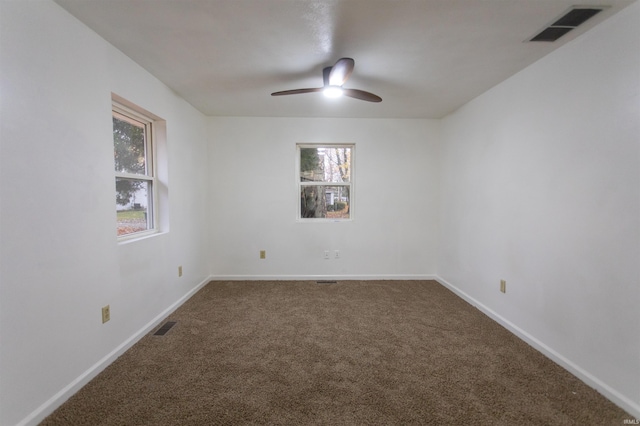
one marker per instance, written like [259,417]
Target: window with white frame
[135,176]
[325,181]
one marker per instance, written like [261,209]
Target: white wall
[541,187]
[537,183]
[60,262]
[254,199]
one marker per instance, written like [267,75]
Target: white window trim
[350,184]
[129,114]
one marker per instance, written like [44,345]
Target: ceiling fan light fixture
[332,91]
[334,77]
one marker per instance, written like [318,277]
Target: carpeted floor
[350,353]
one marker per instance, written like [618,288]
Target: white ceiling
[425,58]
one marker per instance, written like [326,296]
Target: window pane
[325,202]
[133,203]
[325,164]
[129,146]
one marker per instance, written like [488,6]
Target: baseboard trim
[39,414]
[607,391]
[320,277]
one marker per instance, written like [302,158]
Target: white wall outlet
[326,254]
[336,254]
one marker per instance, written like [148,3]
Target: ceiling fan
[334,77]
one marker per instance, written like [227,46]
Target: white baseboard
[607,391]
[65,393]
[319,277]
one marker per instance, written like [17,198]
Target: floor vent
[577,15]
[166,327]
[327,282]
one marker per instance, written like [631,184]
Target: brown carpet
[351,353]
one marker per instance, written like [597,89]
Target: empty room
[319,212]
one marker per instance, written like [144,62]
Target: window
[325,181]
[133,149]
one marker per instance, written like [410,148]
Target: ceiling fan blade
[341,71]
[297,91]
[361,94]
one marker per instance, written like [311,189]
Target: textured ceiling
[425,58]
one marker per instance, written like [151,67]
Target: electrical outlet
[503,286]
[106,314]
[263,254]
[179,271]
[326,254]
[336,254]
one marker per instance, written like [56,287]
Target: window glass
[129,143]
[134,172]
[325,181]
[325,164]
[133,196]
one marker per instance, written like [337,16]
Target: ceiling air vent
[576,16]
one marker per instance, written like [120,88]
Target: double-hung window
[133,150]
[325,181]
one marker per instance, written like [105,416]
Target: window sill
[138,236]
[323,220]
